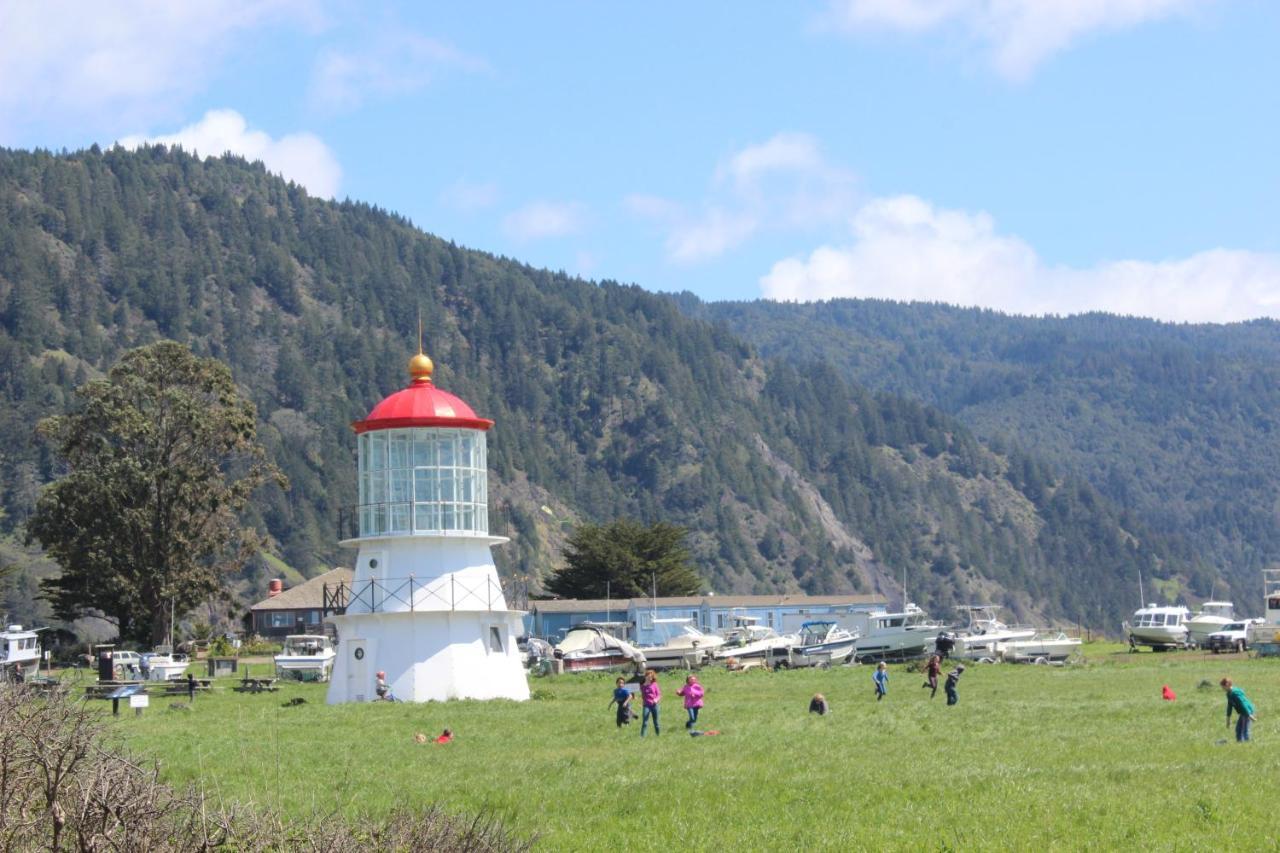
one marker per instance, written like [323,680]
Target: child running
[692,693]
[953,678]
[650,695]
[881,679]
[931,672]
[622,696]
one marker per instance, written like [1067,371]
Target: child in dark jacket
[953,677]
[622,697]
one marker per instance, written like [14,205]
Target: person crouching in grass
[1238,702]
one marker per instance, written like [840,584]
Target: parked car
[1234,636]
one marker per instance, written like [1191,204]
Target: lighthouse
[424,604]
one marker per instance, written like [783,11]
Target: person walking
[191,688]
[650,696]
[622,697]
[953,678]
[692,692]
[931,672]
[1238,702]
[881,679]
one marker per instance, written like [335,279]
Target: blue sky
[1035,156]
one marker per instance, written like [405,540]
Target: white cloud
[542,219]
[299,157]
[904,248]
[470,197]
[1017,35]
[783,183]
[393,65]
[131,61]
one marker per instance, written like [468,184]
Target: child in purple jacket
[692,693]
[650,695]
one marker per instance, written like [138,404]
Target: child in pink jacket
[692,693]
[650,695]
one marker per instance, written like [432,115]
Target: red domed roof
[422,404]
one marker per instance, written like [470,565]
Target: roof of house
[571,605]
[306,595]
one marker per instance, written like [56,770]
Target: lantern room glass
[423,481]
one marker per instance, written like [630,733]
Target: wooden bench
[257,685]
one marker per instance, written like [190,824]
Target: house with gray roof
[299,609]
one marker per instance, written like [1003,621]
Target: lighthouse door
[360,654]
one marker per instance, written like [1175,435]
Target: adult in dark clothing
[931,672]
[944,644]
[953,678]
[1238,702]
[191,687]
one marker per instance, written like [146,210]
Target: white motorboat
[1159,627]
[1212,617]
[19,647]
[820,643]
[985,633]
[749,641]
[306,657]
[683,646]
[587,646]
[163,666]
[905,634]
[1049,646]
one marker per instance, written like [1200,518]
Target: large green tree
[162,457]
[626,559]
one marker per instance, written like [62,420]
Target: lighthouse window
[423,480]
[495,639]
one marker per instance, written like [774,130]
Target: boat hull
[1054,649]
[822,654]
[1159,638]
[304,668]
[600,663]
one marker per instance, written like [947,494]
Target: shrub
[65,787]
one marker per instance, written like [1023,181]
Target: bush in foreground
[63,787]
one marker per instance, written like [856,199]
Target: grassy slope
[1032,757]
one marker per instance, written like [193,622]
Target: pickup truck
[1234,636]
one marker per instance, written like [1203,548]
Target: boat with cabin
[305,657]
[164,664]
[589,646]
[1212,617]
[748,640]
[883,635]
[985,634]
[821,642]
[1159,627]
[683,645]
[19,647]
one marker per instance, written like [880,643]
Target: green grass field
[1033,757]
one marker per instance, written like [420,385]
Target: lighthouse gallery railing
[409,594]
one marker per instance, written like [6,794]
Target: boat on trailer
[747,640]
[1159,627]
[884,635]
[1212,617]
[19,647]
[1046,646]
[1264,638]
[588,646]
[821,642]
[985,634]
[306,657]
[684,645]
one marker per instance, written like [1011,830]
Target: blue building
[633,619]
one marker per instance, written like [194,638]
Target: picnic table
[250,684]
[178,686]
[105,689]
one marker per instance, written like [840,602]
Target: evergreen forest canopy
[1179,423]
[609,401]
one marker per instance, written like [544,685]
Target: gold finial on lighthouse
[420,366]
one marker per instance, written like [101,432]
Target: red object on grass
[1167,694]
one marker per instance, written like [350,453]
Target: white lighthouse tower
[425,604]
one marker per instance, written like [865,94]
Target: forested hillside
[1178,423]
[609,401]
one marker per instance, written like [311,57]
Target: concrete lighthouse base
[429,655]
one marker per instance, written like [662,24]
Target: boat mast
[1142,599]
